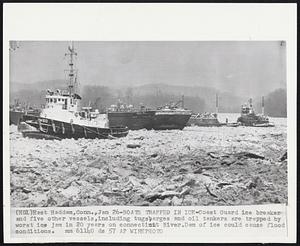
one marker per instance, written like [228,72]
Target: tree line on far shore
[102,97]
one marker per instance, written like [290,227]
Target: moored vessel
[126,115]
[171,116]
[17,111]
[15,116]
[250,118]
[63,116]
[206,118]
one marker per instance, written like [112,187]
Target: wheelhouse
[62,100]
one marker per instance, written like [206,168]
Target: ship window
[51,100]
[58,99]
[54,100]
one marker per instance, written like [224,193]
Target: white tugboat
[250,118]
[63,116]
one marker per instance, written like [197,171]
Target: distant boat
[233,124]
[206,119]
[250,118]
[16,113]
[15,116]
[171,116]
[63,117]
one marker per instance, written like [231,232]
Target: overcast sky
[245,68]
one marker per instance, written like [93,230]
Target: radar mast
[72,72]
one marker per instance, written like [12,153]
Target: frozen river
[166,168]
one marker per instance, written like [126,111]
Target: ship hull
[148,120]
[251,120]
[264,125]
[133,120]
[170,121]
[61,130]
[204,122]
[234,124]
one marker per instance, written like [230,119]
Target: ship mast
[263,105]
[250,102]
[72,87]
[250,106]
[217,103]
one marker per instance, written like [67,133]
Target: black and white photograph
[147,123]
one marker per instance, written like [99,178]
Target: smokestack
[182,101]
[263,105]
[217,104]
[250,102]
